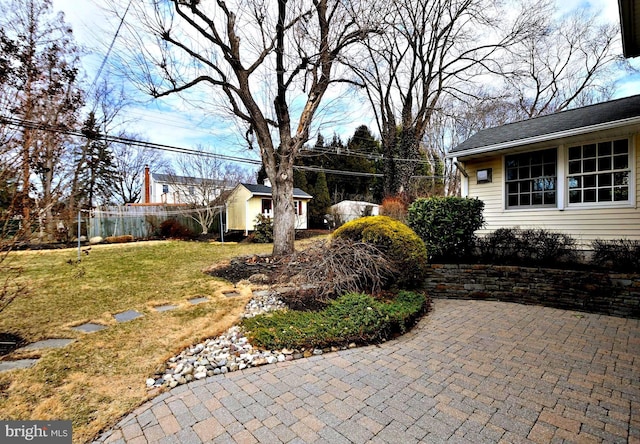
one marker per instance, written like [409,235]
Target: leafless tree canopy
[272,62]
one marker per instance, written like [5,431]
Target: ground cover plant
[100,377]
[352,318]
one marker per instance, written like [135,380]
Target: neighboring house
[348,210]
[247,201]
[171,189]
[575,171]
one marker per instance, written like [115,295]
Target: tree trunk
[284,216]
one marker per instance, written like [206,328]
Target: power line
[21,123]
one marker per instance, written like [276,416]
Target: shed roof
[263,190]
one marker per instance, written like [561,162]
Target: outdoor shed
[247,201]
[575,172]
[348,210]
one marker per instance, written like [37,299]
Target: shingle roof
[184,180]
[263,190]
[520,133]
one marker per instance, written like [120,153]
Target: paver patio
[470,371]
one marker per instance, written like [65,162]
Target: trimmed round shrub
[402,246]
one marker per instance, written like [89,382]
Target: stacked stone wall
[613,294]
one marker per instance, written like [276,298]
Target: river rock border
[230,351]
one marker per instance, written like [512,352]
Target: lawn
[101,376]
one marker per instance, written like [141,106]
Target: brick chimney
[147,185]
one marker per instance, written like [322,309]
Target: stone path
[470,372]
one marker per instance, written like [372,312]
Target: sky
[170,121]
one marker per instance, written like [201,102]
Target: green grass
[100,377]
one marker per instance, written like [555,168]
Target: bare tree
[570,64]
[200,182]
[270,62]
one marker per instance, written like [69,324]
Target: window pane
[575,182]
[574,167]
[536,171]
[512,174]
[575,196]
[620,147]
[604,195]
[604,149]
[604,163]
[605,180]
[589,181]
[589,165]
[536,199]
[549,156]
[621,162]
[550,183]
[589,195]
[512,188]
[536,158]
[513,200]
[523,173]
[538,185]
[525,199]
[525,187]
[575,152]
[589,150]
[550,197]
[621,193]
[550,170]
[621,178]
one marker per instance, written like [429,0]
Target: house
[630,27]
[576,171]
[348,210]
[171,189]
[247,201]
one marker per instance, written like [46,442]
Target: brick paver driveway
[471,371]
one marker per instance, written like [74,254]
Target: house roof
[184,180]
[630,27]
[263,190]
[612,114]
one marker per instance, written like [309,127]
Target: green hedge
[446,225]
[353,317]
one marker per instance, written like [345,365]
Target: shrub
[446,225]
[354,317]
[404,249]
[263,230]
[172,229]
[533,247]
[620,255]
[395,208]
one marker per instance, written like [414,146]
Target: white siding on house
[584,224]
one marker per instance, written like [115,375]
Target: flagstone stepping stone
[231,294]
[20,363]
[165,307]
[200,300]
[47,343]
[128,315]
[89,327]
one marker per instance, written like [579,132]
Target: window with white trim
[599,172]
[531,179]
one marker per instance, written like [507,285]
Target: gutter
[544,138]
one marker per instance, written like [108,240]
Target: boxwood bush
[353,317]
[403,247]
[446,225]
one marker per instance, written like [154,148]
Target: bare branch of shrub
[338,267]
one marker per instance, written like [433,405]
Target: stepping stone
[90,327]
[20,363]
[200,300]
[231,294]
[128,315]
[165,307]
[47,343]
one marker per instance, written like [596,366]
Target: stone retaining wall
[594,292]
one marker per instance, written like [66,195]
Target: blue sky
[170,121]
